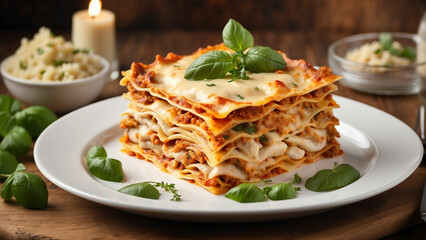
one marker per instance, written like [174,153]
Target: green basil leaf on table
[263,59]
[17,141]
[143,189]
[7,122]
[281,191]
[331,179]
[236,37]
[35,119]
[102,167]
[28,189]
[8,164]
[245,193]
[9,104]
[214,64]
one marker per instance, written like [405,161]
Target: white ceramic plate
[385,151]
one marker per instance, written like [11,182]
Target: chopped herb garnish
[176,66]
[58,63]
[286,138]
[239,96]
[226,137]
[245,127]
[188,155]
[387,64]
[266,181]
[210,85]
[263,138]
[80,50]
[40,51]
[22,65]
[256,88]
[295,85]
[386,41]
[62,75]
[42,72]
[379,50]
[297,178]
[49,44]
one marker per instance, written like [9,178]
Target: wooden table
[70,217]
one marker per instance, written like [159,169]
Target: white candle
[96,31]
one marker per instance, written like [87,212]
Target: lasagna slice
[221,133]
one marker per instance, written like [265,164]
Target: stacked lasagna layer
[221,133]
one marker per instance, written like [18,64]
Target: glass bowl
[382,80]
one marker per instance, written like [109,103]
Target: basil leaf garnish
[263,59]
[332,179]
[100,166]
[281,191]
[245,193]
[385,40]
[143,189]
[35,119]
[214,64]
[236,37]
[17,141]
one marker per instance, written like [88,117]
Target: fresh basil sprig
[386,40]
[149,190]
[216,64]
[102,167]
[28,189]
[331,179]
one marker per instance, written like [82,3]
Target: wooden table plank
[70,217]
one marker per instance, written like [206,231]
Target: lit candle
[95,29]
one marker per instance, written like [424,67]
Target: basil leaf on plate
[236,37]
[102,167]
[263,59]
[143,189]
[245,193]
[331,179]
[211,65]
[281,191]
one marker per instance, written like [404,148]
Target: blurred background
[277,15]
[271,22]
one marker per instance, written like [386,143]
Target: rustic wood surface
[393,214]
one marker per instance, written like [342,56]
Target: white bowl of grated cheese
[49,71]
[379,63]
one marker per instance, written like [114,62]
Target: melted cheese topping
[170,77]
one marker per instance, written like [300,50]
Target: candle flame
[95,7]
